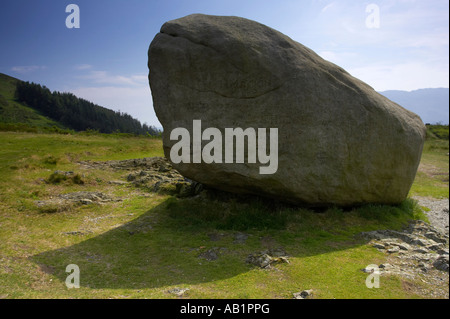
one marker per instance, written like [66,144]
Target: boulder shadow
[159,248]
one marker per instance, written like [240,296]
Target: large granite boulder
[339,141]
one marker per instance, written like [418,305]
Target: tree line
[78,114]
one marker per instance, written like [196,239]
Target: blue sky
[105,60]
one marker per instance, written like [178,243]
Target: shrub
[76,179]
[56,178]
[52,160]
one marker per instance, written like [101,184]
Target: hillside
[24,104]
[14,112]
[430,104]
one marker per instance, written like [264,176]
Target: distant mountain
[24,104]
[432,105]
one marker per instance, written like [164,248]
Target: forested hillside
[25,105]
[76,113]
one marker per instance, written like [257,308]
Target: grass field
[147,244]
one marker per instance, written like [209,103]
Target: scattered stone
[305,294]
[178,291]
[442,263]
[68,173]
[386,266]
[403,246]
[260,260]
[421,242]
[216,236]
[211,254]
[421,251]
[154,174]
[266,259]
[64,201]
[394,249]
[117,183]
[77,232]
[367,270]
[435,237]
[240,238]
[436,247]
[414,254]
[87,197]
[378,245]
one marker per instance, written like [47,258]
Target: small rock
[435,237]
[267,258]
[117,183]
[421,250]
[421,242]
[378,245]
[216,236]
[77,232]
[209,255]
[442,263]
[305,294]
[69,173]
[394,249]
[240,238]
[178,291]
[423,266]
[261,260]
[435,247]
[404,246]
[386,266]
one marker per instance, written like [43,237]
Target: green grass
[146,244]
[432,176]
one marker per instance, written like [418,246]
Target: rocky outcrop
[339,141]
[420,251]
[64,201]
[154,174]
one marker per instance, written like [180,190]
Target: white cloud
[409,50]
[27,68]
[405,76]
[83,67]
[104,77]
[328,6]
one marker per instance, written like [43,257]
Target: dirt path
[438,214]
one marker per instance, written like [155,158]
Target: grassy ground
[147,244]
[432,177]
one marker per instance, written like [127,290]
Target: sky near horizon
[389,44]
